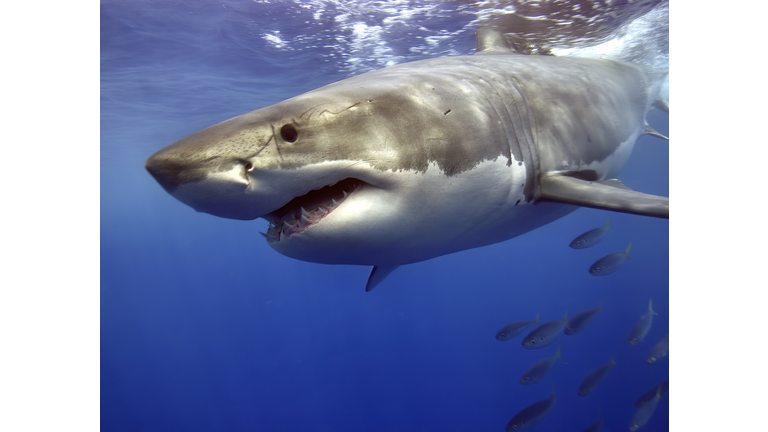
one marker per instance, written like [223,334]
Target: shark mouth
[304,211]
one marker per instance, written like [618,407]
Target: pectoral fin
[606,194]
[378,273]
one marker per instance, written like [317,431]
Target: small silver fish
[596,426]
[591,237]
[642,326]
[511,330]
[546,333]
[659,351]
[580,320]
[541,369]
[647,396]
[532,414]
[645,412]
[594,378]
[609,263]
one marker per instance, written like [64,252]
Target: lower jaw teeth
[299,220]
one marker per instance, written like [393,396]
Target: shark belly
[454,215]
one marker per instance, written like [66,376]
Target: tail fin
[626,252]
[557,354]
[650,307]
[648,130]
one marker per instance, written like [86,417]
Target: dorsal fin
[491,41]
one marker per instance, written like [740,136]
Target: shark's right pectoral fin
[378,273]
[606,194]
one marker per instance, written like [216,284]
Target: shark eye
[289,133]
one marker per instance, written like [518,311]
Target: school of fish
[546,333]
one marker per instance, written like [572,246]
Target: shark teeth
[271,238]
[294,220]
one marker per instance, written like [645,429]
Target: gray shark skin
[422,159]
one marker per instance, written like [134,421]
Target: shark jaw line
[309,209]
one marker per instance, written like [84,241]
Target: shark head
[364,171]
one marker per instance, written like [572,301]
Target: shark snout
[169,173]
[214,185]
[173,170]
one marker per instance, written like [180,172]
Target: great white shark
[423,159]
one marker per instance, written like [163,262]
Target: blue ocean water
[204,327]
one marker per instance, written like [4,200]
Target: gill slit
[277,145]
